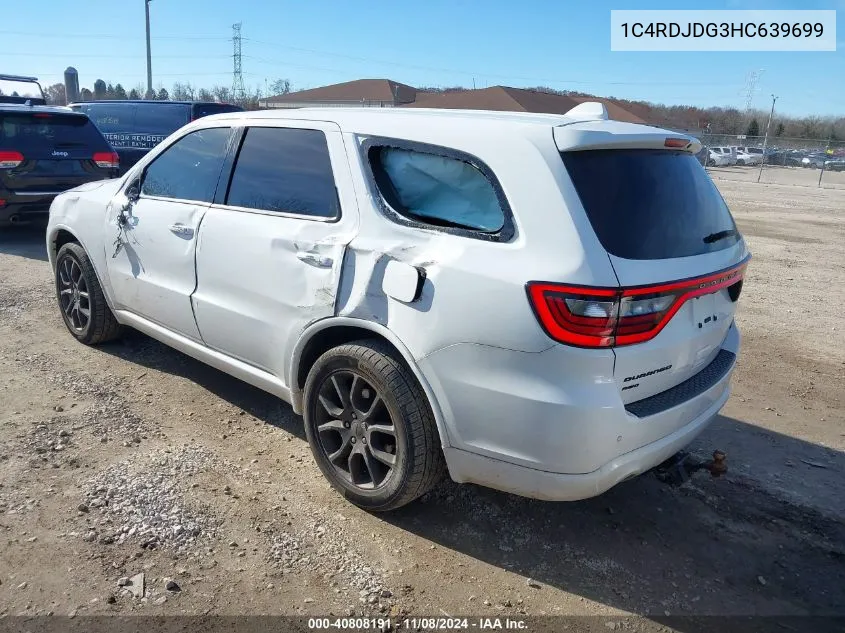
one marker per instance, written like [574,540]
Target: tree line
[698,120]
[181,91]
[713,120]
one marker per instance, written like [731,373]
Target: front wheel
[81,300]
[370,426]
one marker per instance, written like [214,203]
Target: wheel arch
[60,235]
[327,333]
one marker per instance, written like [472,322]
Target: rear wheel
[81,300]
[370,426]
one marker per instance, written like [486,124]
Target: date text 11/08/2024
[417,624]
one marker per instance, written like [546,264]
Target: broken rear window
[438,190]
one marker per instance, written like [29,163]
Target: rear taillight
[612,317]
[109,160]
[10,159]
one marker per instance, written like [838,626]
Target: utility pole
[149,55]
[824,160]
[766,138]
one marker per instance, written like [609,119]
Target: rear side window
[188,169]
[206,109]
[286,170]
[437,189]
[40,131]
[651,204]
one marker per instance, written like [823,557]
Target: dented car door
[271,247]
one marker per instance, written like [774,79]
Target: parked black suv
[43,152]
[135,127]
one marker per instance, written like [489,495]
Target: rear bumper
[552,425]
[25,208]
[466,467]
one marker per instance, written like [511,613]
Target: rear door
[662,220]
[271,248]
[58,151]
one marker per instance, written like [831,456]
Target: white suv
[540,304]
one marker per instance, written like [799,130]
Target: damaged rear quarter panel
[474,289]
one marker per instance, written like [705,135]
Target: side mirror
[133,192]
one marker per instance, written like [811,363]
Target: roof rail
[18,78]
[592,110]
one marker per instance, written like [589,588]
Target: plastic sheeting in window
[437,187]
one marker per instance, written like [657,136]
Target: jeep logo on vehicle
[62,154]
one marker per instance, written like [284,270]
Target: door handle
[314,259]
[181,229]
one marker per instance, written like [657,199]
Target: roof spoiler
[591,110]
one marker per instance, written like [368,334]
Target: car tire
[741,163]
[363,408]
[78,290]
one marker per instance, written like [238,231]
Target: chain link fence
[787,161]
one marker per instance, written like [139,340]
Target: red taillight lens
[612,317]
[109,160]
[676,142]
[585,317]
[10,159]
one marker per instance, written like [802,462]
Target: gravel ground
[134,480]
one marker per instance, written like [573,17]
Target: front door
[152,272]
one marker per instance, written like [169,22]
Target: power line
[100,56]
[476,73]
[110,36]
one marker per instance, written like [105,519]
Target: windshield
[651,204]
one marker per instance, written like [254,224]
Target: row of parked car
[47,150]
[736,155]
[733,155]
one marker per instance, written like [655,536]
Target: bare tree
[56,94]
[221,93]
[280,87]
[183,92]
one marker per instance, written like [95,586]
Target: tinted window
[110,117]
[206,109]
[437,189]
[285,170]
[650,204]
[41,131]
[160,118]
[189,169]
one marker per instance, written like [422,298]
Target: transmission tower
[751,80]
[238,91]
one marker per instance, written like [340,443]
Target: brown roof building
[378,93]
[515,100]
[384,93]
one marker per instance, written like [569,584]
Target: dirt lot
[133,459]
